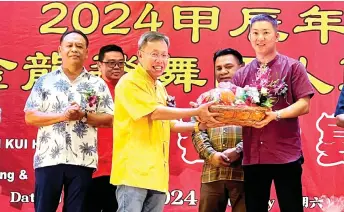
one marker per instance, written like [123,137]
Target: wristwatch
[278,115]
[238,147]
[84,118]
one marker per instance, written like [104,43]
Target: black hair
[264,17]
[77,32]
[228,51]
[109,48]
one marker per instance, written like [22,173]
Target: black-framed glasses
[112,64]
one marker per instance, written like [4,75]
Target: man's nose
[261,37]
[223,71]
[74,48]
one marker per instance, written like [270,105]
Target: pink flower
[248,101]
[234,88]
[92,100]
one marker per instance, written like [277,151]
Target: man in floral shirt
[272,148]
[67,105]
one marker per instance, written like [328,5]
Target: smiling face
[263,37]
[112,66]
[153,57]
[225,67]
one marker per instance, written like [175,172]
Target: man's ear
[139,54]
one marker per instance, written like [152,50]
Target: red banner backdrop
[311,32]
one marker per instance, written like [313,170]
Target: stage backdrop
[310,32]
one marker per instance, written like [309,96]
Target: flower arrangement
[248,105]
[91,100]
[268,88]
[262,92]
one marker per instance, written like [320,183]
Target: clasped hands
[73,112]
[224,158]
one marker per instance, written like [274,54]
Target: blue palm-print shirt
[68,142]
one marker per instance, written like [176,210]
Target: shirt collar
[269,63]
[141,71]
[59,71]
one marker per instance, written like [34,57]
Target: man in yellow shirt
[142,125]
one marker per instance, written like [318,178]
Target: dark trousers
[287,179]
[214,196]
[48,187]
[101,196]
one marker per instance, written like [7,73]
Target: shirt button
[261,142]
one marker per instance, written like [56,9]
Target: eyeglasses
[155,55]
[112,64]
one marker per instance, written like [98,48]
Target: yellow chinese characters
[8,66]
[321,86]
[196,18]
[179,71]
[248,13]
[321,20]
[38,65]
[130,63]
[182,71]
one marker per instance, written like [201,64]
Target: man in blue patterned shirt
[67,105]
